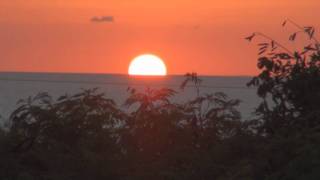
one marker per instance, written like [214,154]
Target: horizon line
[121,74]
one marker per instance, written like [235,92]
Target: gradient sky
[206,36]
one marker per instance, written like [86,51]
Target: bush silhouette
[289,115]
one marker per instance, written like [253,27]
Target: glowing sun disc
[147,65]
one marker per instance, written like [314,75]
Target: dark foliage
[86,136]
[289,115]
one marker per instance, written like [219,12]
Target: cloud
[102,19]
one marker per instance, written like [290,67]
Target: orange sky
[205,36]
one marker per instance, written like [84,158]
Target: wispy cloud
[102,19]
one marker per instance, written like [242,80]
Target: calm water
[14,86]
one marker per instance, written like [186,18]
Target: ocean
[16,86]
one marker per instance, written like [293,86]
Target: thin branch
[302,29]
[276,42]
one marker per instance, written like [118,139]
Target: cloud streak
[102,19]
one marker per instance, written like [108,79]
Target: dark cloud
[102,19]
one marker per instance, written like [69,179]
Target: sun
[147,65]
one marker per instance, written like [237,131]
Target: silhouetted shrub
[289,115]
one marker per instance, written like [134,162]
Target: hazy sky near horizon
[206,36]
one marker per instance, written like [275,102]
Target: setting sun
[147,65]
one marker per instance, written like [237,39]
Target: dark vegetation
[87,136]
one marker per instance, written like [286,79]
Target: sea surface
[16,86]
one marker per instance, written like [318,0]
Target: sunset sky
[206,36]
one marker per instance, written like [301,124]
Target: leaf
[262,51]
[312,34]
[293,37]
[310,48]
[184,84]
[263,48]
[273,45]
[310,31]
[284,56]
[249,38]
[263,44]
[284,23]
[62,97]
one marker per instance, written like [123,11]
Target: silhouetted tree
[289,115]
